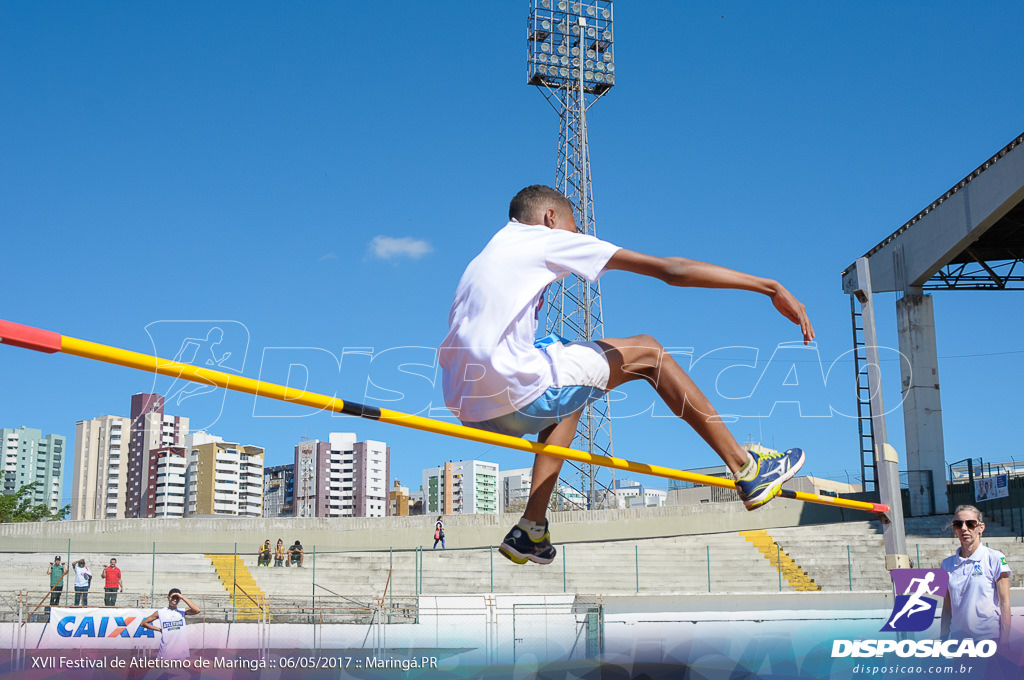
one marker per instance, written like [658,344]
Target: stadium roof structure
[970,238]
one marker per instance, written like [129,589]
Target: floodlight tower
[570,59]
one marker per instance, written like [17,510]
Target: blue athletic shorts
[575,363]
[549,408]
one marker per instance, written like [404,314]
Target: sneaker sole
[519,558]
[773,490]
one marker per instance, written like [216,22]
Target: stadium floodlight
[571,60]
[573,29]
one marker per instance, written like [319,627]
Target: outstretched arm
[684,273]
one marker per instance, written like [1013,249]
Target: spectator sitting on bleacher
[295,553]
[263,557]
[279,553]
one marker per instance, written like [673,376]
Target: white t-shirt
[173,638]
[490,365]
[83,577]
[972,592]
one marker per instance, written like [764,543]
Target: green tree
[18,507]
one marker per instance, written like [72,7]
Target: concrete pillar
[887,461]
[922,409]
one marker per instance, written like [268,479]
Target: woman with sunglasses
[977,603]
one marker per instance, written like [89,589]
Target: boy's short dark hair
[174,591]
[529,204]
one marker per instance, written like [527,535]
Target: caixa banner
[99,628]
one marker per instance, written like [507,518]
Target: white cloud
[390,248]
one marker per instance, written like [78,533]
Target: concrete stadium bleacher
[837,556]
[594,567]
[851,555]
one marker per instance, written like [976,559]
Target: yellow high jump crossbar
[40,340]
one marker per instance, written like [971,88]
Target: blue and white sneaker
[773,470]
[520,548]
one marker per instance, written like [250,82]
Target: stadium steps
[248,600]
[781,560]
[838,557]
[851,555]
[724,563]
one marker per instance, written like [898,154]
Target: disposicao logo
[918,592]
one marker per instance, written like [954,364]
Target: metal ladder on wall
[868,470]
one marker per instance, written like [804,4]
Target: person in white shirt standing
[83,579]
[498,377]
[173,639]
[977,604]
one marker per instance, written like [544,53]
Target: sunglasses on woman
[971,523]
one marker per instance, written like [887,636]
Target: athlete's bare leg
[636,358]
[643,357]
[546,468]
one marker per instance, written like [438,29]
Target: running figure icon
[917,594]
[917,603]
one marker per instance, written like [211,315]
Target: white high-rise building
[100,482]
[341,477]
[371,471]
[170,490]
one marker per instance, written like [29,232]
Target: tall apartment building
[341,477]
[167,493]
[151,429]
[371,470]
[100,482]
[463,487]
[30,456]
[224,478]
[279,491]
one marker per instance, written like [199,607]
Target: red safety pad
[28,337]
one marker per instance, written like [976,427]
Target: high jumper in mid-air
[498,377]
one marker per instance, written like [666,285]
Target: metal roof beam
[915,252]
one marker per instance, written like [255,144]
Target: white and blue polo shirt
[972,592]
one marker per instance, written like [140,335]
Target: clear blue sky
[236,162]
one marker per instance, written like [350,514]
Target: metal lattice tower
[570,59]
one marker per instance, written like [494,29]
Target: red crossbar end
[880,508]
[28,337]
